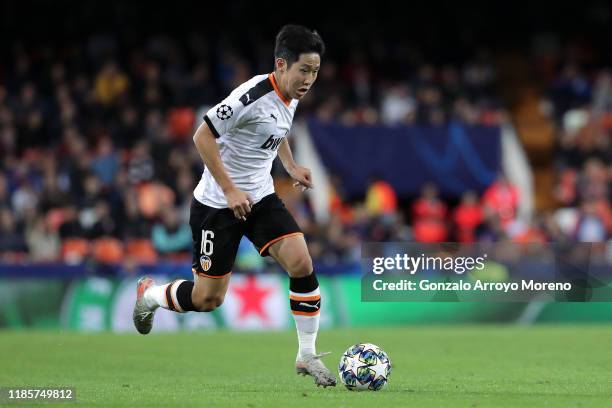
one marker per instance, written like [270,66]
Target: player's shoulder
[253,90]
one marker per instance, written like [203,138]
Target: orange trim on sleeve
[278,239]
[278,92]
[202,274]
[305,313]
[305,298]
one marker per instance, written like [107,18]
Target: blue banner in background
[172,269]
[456,157]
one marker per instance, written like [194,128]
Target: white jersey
[249,125]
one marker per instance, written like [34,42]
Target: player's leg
[216,236]
[274,231]
[304,295]
[305,299]
[209,292]
[203,294]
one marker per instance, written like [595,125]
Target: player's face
[302,74]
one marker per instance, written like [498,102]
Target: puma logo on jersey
[272,143]
[274,117]
[246,99]
[315,306]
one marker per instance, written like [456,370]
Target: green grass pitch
[452,366]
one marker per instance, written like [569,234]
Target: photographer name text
[478,285]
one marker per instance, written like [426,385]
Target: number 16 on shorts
[206,249]
[206,246]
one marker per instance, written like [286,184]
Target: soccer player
[238,141]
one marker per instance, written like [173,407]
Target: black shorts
[217,233]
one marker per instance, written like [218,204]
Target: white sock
[306,340]
[306,320]
[155,296]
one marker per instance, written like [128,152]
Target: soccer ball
[364,366]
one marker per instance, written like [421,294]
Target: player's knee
[301,266]
[207,303]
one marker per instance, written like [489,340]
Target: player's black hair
[293,40]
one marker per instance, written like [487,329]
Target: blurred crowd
[424,94]
[578,100]
[96,156]
[486,218]
[578,91]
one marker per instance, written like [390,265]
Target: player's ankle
[149,301]
[303,353]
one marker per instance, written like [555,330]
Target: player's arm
[237,200]
[300,174]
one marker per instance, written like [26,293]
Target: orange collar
[278,92]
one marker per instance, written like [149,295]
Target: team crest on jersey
[205,262]
[224,112]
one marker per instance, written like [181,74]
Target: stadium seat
[141,250]
[74,250]
[108,250]
[180,122]
[152,197]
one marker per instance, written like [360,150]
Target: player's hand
[302,177]
[239,202]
